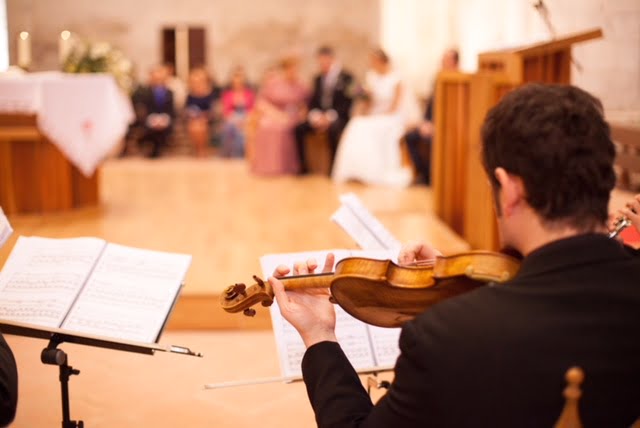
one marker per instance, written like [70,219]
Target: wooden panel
[35,176]
[554,67]
[554,45]
[479,218]
[451,111]
[54,178]
[318,153]
[203,312]
[85,190]
[26,189]
[7,194]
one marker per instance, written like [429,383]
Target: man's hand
[309,311]
[415,252]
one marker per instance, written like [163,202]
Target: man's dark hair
[555,138]
[325,50]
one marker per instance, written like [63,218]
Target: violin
[382,293]
[621,224]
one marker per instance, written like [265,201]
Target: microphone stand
[543,10]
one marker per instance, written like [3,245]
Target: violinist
[496,356]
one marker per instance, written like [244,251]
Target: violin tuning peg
[259,281]
[250,312]
[234,291]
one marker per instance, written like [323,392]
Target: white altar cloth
[84,115]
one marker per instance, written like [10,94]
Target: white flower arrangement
[99,57]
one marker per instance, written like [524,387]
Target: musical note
[129,294]
[42,278]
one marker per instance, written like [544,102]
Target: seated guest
[369,150]
[8,384]
[154,108]
[330,103]
[496,356]
[200,108]
[281,105]
[423,133]
[237,102]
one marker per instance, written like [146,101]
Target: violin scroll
[240,298]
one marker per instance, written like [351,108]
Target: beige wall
[247,32]
[417,31]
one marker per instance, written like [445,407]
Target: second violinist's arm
[632,211]
[415,252]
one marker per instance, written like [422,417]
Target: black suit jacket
[144,103]
[496,357]
[342,95]
[8,384]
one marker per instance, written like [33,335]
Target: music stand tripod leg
[57,357]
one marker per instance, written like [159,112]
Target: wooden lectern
[35,177]
[461,191]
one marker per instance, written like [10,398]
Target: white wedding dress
[369,150]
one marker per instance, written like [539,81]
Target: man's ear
[512,191]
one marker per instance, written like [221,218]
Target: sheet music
[362,226]
[129,294]
[353,335]
[385,345]
[42,278]
[5,228]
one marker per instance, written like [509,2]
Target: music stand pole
[57,357]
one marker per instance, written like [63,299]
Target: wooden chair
[570,416]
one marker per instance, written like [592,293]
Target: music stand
[52,355]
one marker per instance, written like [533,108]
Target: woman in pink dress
[281,105]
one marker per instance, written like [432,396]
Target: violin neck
[321,280]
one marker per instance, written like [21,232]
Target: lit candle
[24,50]
[64,46]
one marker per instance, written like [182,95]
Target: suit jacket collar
[572,252]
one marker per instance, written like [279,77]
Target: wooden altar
[35,177]
[462,195]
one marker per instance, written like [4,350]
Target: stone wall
[253,33]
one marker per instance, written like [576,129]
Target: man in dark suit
[420,138]
[8,384]
[330,104]
[496,356]
[154,109]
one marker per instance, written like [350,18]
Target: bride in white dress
[369,150]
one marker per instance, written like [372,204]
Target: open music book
[88,286]
[369,348]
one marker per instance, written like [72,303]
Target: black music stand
[52,355]
[57,357]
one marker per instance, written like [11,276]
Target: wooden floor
[227,218]
[216,211]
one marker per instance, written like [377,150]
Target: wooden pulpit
[35,177]
[461,191]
